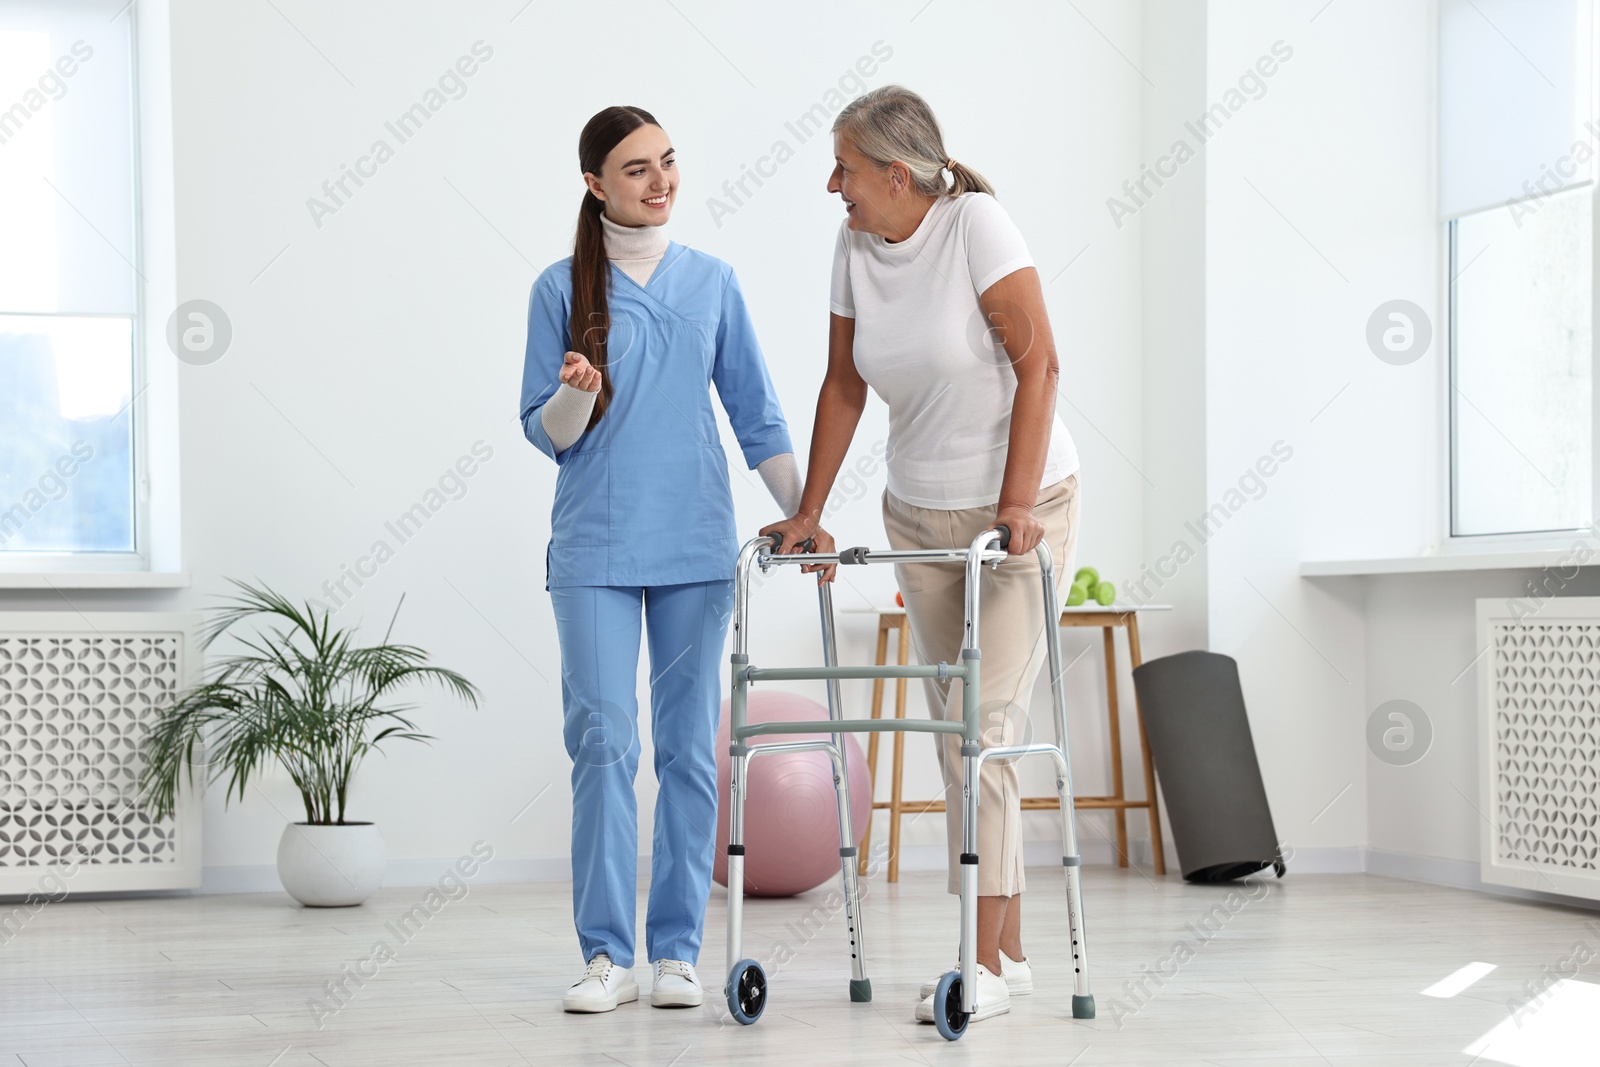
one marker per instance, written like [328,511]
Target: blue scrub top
[643,497]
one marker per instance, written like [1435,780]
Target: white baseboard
[263,878]
[256,878]
[1430,870]
[407,873]
[1459,874]
[1351,860]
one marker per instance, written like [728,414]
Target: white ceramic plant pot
[331,866]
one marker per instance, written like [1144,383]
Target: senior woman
[937,306]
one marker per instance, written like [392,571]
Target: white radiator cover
[1539,743]
[76,693]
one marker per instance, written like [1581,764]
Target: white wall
[371,352]
[1320,199]
[1171,224]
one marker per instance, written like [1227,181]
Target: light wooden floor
[1321,969]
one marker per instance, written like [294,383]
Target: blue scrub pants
[599,629]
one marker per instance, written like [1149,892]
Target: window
[70,287]
[1521,357]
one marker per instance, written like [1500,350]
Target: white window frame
[1452,543]
[156,558]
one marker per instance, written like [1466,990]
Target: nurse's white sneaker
[993,999]
[1017,973]
[603,986]
[675,986]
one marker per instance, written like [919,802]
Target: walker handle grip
[1005,535]
[777,542]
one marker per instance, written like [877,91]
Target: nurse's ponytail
[590,324]
[892,124]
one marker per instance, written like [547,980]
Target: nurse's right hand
[795,531]
[579,373]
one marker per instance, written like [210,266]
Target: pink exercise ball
[791,820]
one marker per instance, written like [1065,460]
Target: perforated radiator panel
[1539,704]
[76,694]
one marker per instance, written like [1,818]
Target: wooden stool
[1108,618]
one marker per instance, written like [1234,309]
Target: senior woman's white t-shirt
[923,345]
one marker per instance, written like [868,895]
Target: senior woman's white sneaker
[676,985]
[603,986]
[1017,973]
[993,999]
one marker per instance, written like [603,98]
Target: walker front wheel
[948,1017]
[746,991]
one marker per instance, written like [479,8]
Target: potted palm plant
[303,695]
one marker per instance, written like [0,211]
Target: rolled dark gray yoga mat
[1199,734]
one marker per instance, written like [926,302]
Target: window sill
[1444,563]
[92,580]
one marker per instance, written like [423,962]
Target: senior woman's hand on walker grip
[795,531]
[1026,531]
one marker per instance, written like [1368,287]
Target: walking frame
[956,994]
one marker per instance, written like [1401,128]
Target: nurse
[625,340]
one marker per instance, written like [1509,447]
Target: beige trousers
[1011,635]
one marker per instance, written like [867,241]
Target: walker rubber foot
[860,991]
[1083,1007]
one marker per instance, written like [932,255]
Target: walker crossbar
[853,726]
[796,674]
[746,985]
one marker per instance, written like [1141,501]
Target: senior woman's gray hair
[893,124]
